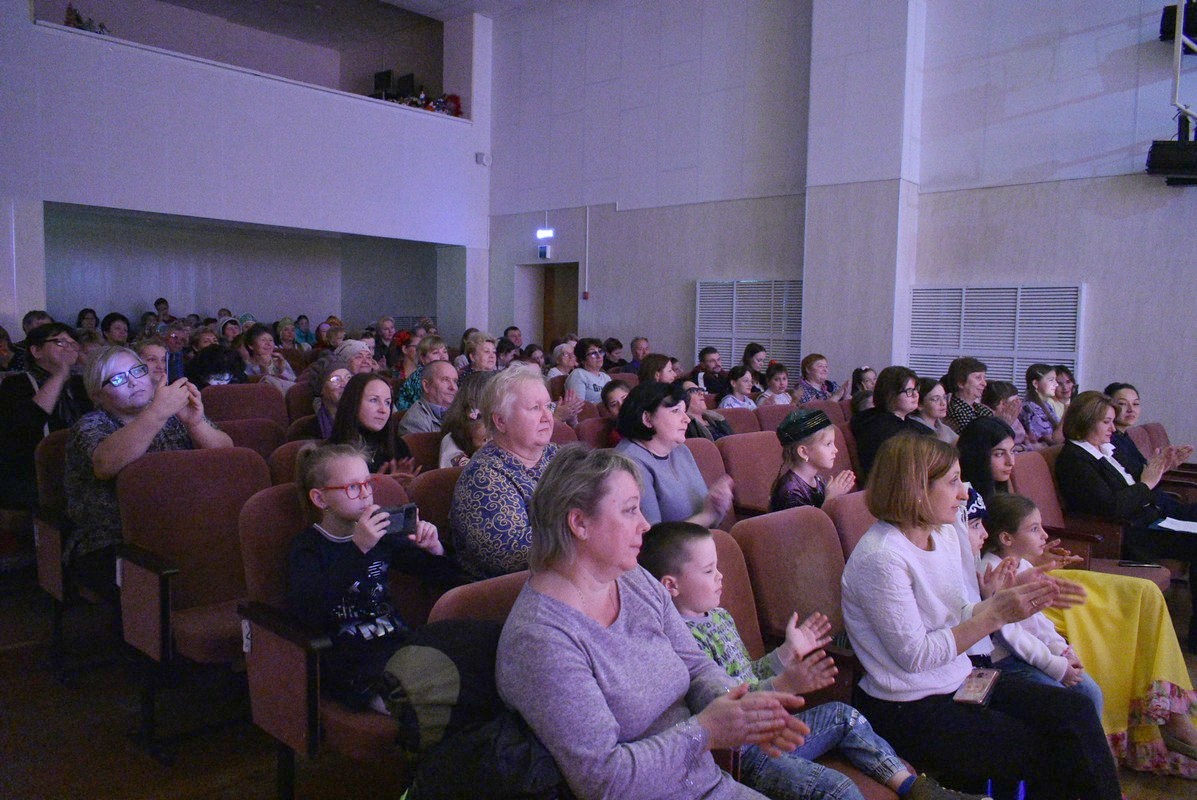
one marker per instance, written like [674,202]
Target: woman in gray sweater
[597,661]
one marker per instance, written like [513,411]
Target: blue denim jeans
[795,776]
[1016,666]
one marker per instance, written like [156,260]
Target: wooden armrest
[283,669]
[144,580]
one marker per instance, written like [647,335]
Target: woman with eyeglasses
[44,397]
[933,408]
[133,416]
[895,397]
[588,379]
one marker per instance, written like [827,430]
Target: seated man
[710,374]
[439,386]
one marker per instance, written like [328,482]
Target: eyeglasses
[594,353]
[65,344]
[335,380]
[355,490]
[913,391]
[121,378]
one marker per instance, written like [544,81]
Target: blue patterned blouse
[489,516]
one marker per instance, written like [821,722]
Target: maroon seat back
[490,599]
[282,460]
[849,440]
[298,400]
[425,448]
[741,420]
[596,432]
[753,461]
[245,401]
[432,491]
[183,505]
[770,416]
[563,434]
[737,596]
[303,428]
[851,518]
[263,436]
[630,378]
[557,386]
[795,563]
[832,408]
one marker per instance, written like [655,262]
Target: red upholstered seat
[208,634]
[432,492]
[851,518]
[425,448]
[770,416]
[245,401]
[753,461]
[304,427]
[563,434]
[596,432]
[263,436]
[298,401]
[832,408]
[741,420]
[282,460]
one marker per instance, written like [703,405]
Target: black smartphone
[403,519]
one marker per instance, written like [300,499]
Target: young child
[777,390]
[808,447]
[1031,648]
[337,572]
[682,556]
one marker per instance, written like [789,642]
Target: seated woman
[756,358]
[489,513]
[816,385]
[894,398]
[332,387]
[7,352]
[384,335]
[861,401]
[133,416]
[739,381]
[366,421]
[216,365]
[1066,389]
[644,705]
[1127,410]
[807,449]
[933,408]
[303,331]
[777,381]
[1038,416]
[534,354]
[321,336]
[45,397]
[461,362]
[1001,397]
[564,360]
[463,427]
[481,353]
[265,360]
[704,422]
[200,338]
[863,380]
[87,320]
[653,424]
[657,367]
[1092,481]
[506,351]
[152,352]
[612,397]
[588,380]
[288,338]
[1123,635]
[907,609]
[338,567]
[115,327]
[966,381]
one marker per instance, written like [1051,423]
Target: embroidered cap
[975,507]
[801,423]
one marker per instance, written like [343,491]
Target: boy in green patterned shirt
[682,556]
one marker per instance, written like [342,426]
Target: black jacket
[1091,485]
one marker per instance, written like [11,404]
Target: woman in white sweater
[912,619]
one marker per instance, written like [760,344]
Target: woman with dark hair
[215,365]
[986,450]
[613,360]
[777,377]
[704,422]
[588,380]
[115,327]
[365,420]
[966,381]
[534,354]
[653,423]
[895,396]
[863,380]
[656,367]
[756,358]
[1127,409]
[1001,397]
[266,360]
[933,408]
[86,320]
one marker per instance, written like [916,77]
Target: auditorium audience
[564,360]
[1127,408]
[87,320]
[115,328]
[133,416]
[653,423]
[464,429]
[656,367]
[1001,397]
[705,423]
[756,358]
[863,380]
[1066,389]
[332,387]
[807,450]
[739,383]
[152,352]
[640,349]
[265,360]
[710,375]
[489,513]
[644,704]
[613,360]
